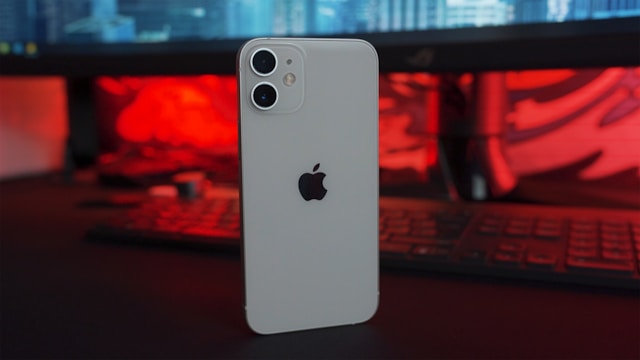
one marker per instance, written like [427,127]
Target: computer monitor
[146,37]
[85,39]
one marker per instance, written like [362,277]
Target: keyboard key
[616,245]
[583,252]
[422,240]
[615,236]
[489,229]
[584,225]
[612,225]
[515,231]
[583,243]
[511,247]
[392,214]
[399,230]
[403,222]
[599,265]
[617,255]
[420,215]
[547,233]
[395,249]
[432,252]
[449,233]
[540,260]
[474,256]
[457,218]
[507,257]
[451,227]
[550,223]
[577,235]
[518,218]
[425,224]
[425,232]
[493,220]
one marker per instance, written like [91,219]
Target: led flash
[289,79]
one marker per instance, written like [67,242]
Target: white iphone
[309,182]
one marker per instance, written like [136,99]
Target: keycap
[550,223]
[615,236]
[599,265]
[420,215]
[474,256]
[616,245]
[395,249]
[492,220]
[583,243]
[507,257]
[516,231]
[489,229]
[391,214]
[422,240]
[400,230]
[384,236]
[541,260]
[584,225]
[589,252]
[424,232]
[425,223]
[432,252]
[511,247]
[547,233]
[520,222]
[398,222]
[617,255]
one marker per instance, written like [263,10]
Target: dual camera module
[264,94]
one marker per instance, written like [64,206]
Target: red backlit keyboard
[555,244]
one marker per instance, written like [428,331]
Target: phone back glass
[310,263]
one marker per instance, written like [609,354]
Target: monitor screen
[98,37]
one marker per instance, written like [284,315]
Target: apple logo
[311,186]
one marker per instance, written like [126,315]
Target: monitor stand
[470,140]
[82,142]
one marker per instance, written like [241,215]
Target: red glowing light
[600,116]
[182,112]
[557,117]
[520,80]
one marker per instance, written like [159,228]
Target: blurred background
[138,90]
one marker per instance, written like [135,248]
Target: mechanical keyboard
[598,247]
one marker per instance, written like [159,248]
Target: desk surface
[64,297]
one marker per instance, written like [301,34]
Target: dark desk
[64,297]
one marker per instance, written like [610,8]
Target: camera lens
[264,96]
[264,62]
